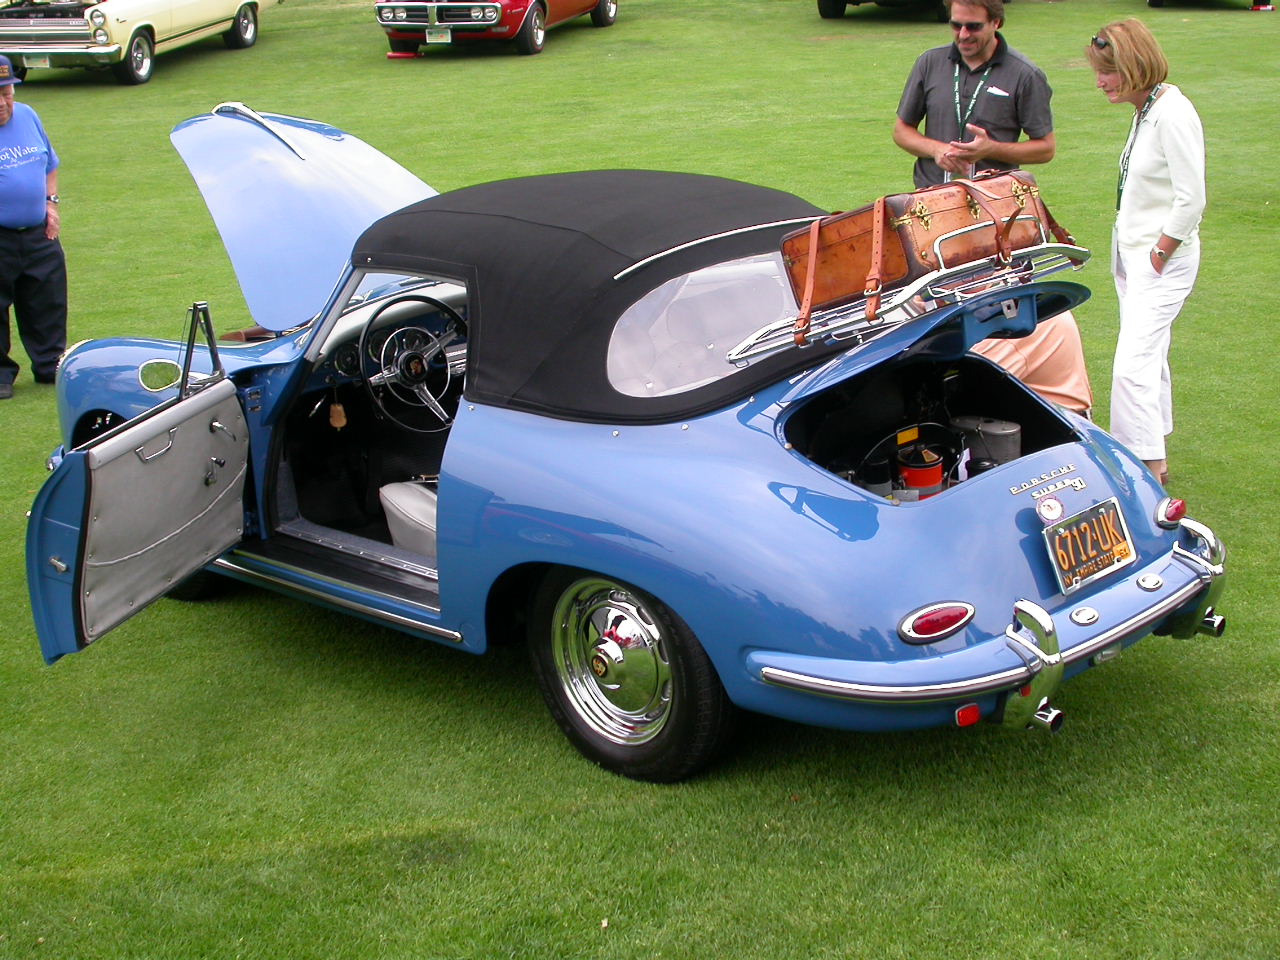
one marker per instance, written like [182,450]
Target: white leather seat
[411,516]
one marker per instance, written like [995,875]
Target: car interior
[363,443]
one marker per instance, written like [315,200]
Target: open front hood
[952,330]
[289,197]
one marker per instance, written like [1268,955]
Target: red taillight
[935,621]
[1170,511]
[968,715]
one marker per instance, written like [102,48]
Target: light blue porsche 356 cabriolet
[575,409]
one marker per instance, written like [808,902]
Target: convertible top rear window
[675,338]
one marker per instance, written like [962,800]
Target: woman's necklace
[1133,136]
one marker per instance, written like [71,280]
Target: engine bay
[911,430]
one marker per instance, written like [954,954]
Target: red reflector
[1026,691]
[968,715]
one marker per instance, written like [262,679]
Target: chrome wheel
[625,677]
[533,32]
[244,29]
[137,64]
[604,13]
[611,661]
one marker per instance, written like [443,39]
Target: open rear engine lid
[951,331]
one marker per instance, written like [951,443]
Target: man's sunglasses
[970,25]
[1101,42]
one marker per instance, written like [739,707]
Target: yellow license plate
[1092,544]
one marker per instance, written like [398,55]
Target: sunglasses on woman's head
[1101,42]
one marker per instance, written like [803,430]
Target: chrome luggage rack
[941,288]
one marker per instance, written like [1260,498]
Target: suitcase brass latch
[918,212]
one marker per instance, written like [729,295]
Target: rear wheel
[831,9]
[533,32]
[139,60]
[626,679]
[244,29]
[604,13]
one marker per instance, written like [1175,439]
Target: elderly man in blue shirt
[33,269]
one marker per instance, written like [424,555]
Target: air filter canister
[990,439]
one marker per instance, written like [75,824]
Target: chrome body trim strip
[228,564]
[716,236]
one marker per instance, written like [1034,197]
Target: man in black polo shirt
[976,96]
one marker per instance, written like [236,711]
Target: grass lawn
[259,778]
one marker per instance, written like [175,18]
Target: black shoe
[6,391]
[44,377]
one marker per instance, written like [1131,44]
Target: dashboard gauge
[377,340]
[346,360]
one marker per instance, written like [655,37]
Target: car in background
[411,24]
[123,36]
[577,410]
[835,9]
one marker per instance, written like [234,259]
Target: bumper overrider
[1185,585]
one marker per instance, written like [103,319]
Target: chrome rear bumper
[1032,637]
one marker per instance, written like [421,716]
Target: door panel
[558,10]
[126,517]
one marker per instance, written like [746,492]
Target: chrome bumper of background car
[1032,636]
[82,53]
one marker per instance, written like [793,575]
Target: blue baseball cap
[6,72]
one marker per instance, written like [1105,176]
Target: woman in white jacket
[1155,253]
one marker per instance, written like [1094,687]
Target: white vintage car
[124,35]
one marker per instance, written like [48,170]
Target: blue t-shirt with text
[26,159]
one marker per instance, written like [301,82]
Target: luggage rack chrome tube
[933,291]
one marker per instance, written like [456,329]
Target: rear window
[676,337]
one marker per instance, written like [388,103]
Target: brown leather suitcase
[902,237]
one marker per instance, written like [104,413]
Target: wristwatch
[53,198]
[1160,254]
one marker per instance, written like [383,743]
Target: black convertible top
[550,262]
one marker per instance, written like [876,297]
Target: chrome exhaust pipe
[1213,624]
[1048,718]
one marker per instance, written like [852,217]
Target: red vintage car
[412,24]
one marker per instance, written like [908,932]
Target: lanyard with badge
[1133,136]
[962,119]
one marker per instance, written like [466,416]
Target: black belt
[38,226]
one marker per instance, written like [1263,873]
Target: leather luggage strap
[1003,248]
[875,278]
[811,274]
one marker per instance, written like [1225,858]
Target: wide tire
[139,60]
[403,46]
[626,679]
[533,32]
[831,9]
[604,13]
[244,29]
